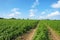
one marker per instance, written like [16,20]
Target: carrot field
[13,29]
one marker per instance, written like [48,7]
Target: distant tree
[23,18]
[1,18]
[47,19]
[27,18]
[12,18]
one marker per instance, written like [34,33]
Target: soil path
[52,34]
[28,36]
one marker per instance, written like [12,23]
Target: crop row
[41,32]
[10,29]
[54,24]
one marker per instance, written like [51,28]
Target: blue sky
[33,9]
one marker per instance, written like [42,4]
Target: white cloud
[31,12]
[14,9]
[36,3]
[14,12]
[43,13]
[52,14]
[56,5]
[41,17]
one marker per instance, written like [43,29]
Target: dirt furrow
[53,35]
[28,36]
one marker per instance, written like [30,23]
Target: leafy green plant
[9,28]
[41,32]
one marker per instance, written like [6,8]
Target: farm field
[29,19]
[18,29]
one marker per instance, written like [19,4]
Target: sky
[32,9]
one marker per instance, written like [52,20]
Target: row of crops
[54,24]
[41,32]
[10,28]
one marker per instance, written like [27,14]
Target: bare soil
[28,36]
[53,35]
